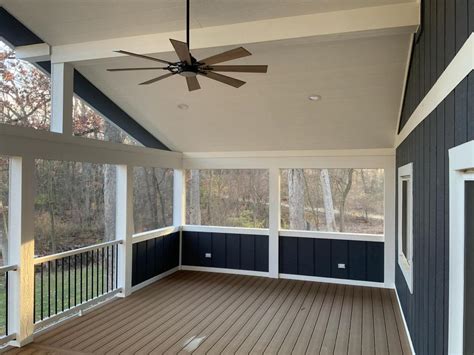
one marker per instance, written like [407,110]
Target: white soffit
[360,81]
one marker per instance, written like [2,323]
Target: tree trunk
[195,198]
[112,134]
[4,233]
[296,198]
[342,209]
[327,198]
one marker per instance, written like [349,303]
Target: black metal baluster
[108,262]
[103,251]
[116,266]
[87,275]
[92,276]
[34,293]
[81,278]
[6,303]
[112,271]
[49,288]
[75,280]
[41,292]
[97,272]
[56,286]
[62,281]
[69,281]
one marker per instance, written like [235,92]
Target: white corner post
[62,91]
[21,250]
[390,258]
[274,222]
[179,205]
[124,226]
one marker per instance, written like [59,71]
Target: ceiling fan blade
[181,50]
[236,83]
[239,68]
[157,79]
[144,57]
[130,69]
[226,56]
[193,83]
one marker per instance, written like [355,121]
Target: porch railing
[4,332]
[70,279]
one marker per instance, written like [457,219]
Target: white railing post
[274,222]
[179,204]
[62,91]
[124,227]
[21,250]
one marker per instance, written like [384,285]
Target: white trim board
[225,271]
[330,280]
[224,230]
[331,235]
[154,279]
[405,323]
[461,158]
[156,233]
[456,71]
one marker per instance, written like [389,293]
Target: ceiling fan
[190,68]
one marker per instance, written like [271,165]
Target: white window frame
[461,166]
[405,174]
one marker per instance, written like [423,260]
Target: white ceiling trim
[390,19]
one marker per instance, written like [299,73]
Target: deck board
[209,313]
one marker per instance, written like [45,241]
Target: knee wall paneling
[154,256]
[363,260]
[231,251]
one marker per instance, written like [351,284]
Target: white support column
[62,91]
[21,250]
[389,227]
[124,226]
[274,221]
[179,204]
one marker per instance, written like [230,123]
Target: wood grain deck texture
[206,313]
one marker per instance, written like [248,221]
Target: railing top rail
[140,237]
[46,258]
[7,268]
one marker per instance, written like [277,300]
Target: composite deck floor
[196,312]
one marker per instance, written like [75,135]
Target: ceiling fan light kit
[190,68]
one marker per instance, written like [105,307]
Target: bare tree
[195,198]
[112,134]
[346,188]
[296,198]
[327,198]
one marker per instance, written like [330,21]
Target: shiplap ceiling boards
[351,52]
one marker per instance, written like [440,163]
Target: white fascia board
[456,71]
[362,22]
[34,53]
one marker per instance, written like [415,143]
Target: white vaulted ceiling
[359,77]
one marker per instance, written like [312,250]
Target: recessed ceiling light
[314,97]
[183,106]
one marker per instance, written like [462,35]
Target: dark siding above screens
[17,34]
[448,24]
[154,257]
[363,261]
[230,251]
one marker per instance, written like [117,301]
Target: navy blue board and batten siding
[447,26]
[363,260]
[154,256]
[228,251]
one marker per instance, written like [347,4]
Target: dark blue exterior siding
[364,261]
[230,251]
[447,25]
[154,257]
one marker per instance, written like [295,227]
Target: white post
[274,221]
[389,232]
[62,91]
[21,250]
[124,226]
[179,204]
